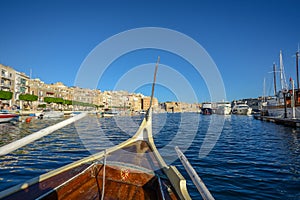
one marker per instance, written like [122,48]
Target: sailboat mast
[297,69]
[264,91]
[282,75]
[274,74]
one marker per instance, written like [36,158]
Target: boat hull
[51,114]
[242,111]
[7,117]
[206,111]
[279,112]
[223,111]
[131,172]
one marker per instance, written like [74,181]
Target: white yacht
[223,108]
[241,109]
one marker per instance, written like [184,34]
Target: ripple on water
[251,159]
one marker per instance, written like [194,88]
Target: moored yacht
[206,108]
[223,108]
[241,109]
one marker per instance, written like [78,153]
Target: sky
[56,40]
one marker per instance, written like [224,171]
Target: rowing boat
[133,169]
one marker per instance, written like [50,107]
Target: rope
[103,178]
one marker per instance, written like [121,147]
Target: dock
[282,121]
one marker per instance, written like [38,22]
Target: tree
[42,106]
[53,100]
[5,95]
[68,102]
[28,97]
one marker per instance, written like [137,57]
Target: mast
[264,91]
[153,85]
[297,68]
[274,74]
[282,74]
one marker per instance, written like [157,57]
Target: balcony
[5,85]
[6,76]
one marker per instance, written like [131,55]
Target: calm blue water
[251,159]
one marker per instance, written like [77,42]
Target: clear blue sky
[243,37]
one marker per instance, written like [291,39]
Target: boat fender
[28,119]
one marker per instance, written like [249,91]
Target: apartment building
[135,102]
[21,86]
[19,83]
[7,77]
[146,103]
[7,82]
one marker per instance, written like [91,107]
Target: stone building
[21,86]
[7,82]
[172,107]
[146,103]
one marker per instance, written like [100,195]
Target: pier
[282,121]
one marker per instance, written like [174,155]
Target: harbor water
[250,159]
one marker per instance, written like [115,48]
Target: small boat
[75,113]
[142,112]
[109,113]
[241,109]
[133,169]
[206,108]
[6,116]
[50,114]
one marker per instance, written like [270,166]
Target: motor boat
[6,116]
[241,109]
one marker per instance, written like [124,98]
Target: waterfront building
[146,103]
[21,87]
[7,78]
[135,102]
[59,90]
[7,82]
[37,87]
[172,107]
[97,97]
[106,99]
[19,83]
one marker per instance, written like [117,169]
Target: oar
[206,195]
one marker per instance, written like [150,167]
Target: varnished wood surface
[130,173]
